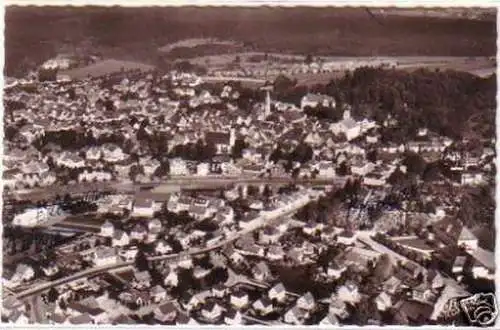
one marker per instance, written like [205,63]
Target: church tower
[267,103]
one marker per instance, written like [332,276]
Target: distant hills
[137,34]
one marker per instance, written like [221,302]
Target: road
[257,223]
[364,237]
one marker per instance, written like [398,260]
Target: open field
[106,67]
[193,42]
[136,34]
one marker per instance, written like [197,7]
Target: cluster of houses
[160,111]
[249,69]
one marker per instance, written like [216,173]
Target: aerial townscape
[231,182]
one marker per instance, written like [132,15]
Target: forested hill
[455,104]
[34,34]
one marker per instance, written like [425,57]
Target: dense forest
[451,103]
[137,33]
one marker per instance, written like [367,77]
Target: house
[412,312]
[158,293]
[472,178]
[165,313]
[163,247]
[360,257]
[263,306]
[197,300]
[120,238]
[326,169]
[178,167]
[200,273]
[203,169]
[88,306]
[138,233]
[338,307]
[315,100]
[135,297]
[384,301]
[107,229]
[306,302]
[329,320]
[335,271]
[70,161]
[186,263]
[222,141]
[295,316]
[105,256]
[416,244]
[261,272]
[212,311]
[219,291]
[239,299]
[346,237]
[51,269]
[233,318]
[275,253]
[313,228]
[269,235]
[484,264]
[458,267]
[129,253]
[143,208]
[172,279]
[347,126]
[392,285]
[277,293]
[154,226]
[349,293]
[141,280]
[23,273]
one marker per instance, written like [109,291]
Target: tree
[414,163]
[62,305]
[309,59]
[342,169]
[239,146]
[141,261]
[134,172]
[47,75]
[52,295]
[282,84]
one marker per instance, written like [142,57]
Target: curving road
[256,223]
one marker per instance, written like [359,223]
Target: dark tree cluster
[450,103]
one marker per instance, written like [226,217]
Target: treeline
[450,103]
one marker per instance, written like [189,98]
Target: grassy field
[193,42]
[136,34]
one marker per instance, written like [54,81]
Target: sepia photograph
[249,165]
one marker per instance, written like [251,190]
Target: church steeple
[268,103]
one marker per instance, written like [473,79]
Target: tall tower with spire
[267,105]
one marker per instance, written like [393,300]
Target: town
[170,197]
